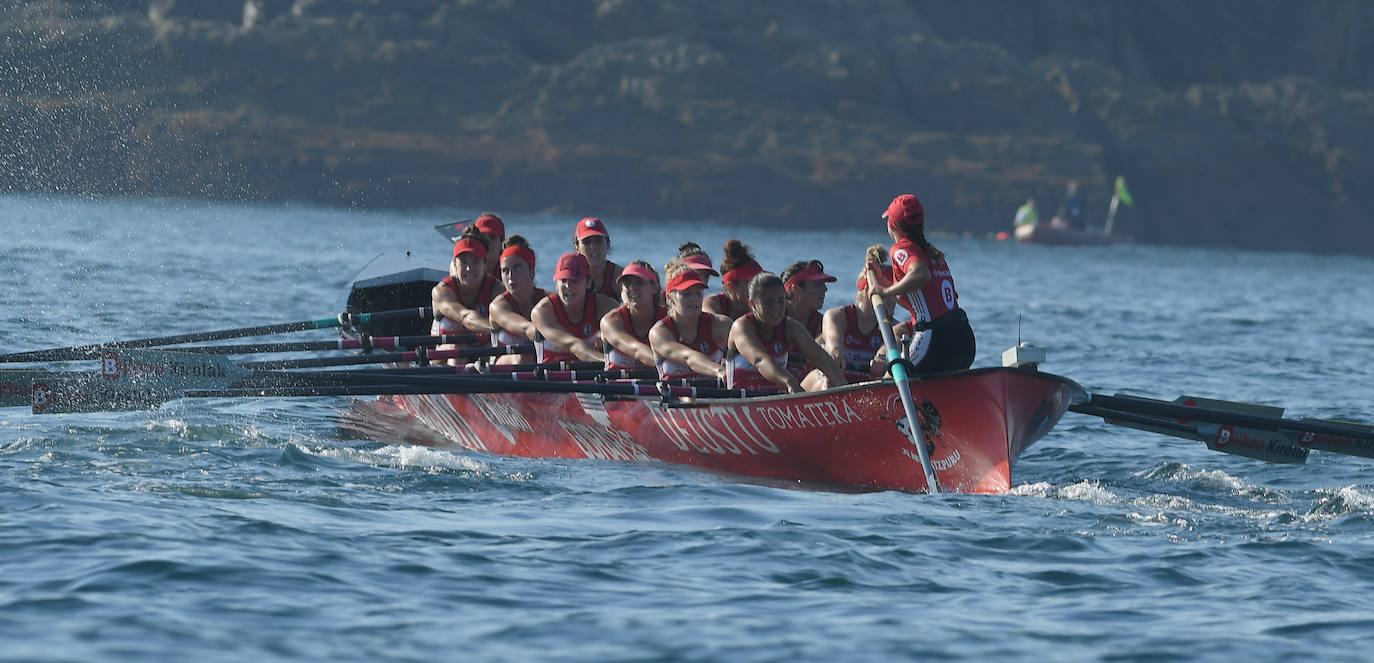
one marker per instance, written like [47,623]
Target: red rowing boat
[975,423]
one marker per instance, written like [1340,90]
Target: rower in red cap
[850,333]
[570,317]
[626,329]
[689,342]
[942,338]
[510,312]
[592,241]
[805,282]
[737,268]
[461,301]
[765,337]
[691,254]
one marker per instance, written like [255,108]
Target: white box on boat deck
[1023,355]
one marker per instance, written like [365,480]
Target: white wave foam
[407,456]
[1338,502]
[1085,491]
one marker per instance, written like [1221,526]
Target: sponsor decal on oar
[134,379]
[16,385]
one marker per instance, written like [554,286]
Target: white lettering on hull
[604,443]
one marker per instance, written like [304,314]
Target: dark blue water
[218,530]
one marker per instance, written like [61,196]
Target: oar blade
[1270,446]
[16,385]
[133,379]
[1355,444]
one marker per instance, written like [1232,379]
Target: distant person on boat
[1026,215]
[1070,212]
[594,243]
[737,269]
[689,342]
[569,319]
[510,312]
[804,282]
[626,328]
[461,301]
[851,334]
[762,339]
[693,255]
[942,338]
[493,231]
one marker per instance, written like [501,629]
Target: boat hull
[976,424]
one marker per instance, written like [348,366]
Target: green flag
[1121,191]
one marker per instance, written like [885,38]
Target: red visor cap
[638,270]
[808,273]
[572,266]
[701,262]
[745,272]
[590,227]
[470,245]
[685,280]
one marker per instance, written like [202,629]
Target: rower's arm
[506,317]
[913,280]
[815,354]
[833,327]
[446,303]
[613,331]
[664,345]
[547,324]
[751,348]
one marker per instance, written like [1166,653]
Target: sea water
[232,530]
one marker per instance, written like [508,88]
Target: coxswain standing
[592,241]
[569,319]
[763,338]
[510,311]
[851,334]
[626,329]
[689,342]
[942,338]
[461,301]
[737,269]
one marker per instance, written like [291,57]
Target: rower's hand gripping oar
[344,320]
[898,367]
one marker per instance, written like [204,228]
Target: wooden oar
[899,375]
[365,343]
[76,352]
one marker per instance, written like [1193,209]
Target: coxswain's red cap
[884,278]
[572,266]
[589,227]
[517,251]
[745,272]
[684,280]
[491,225]
[905,211]
[470,245]
[701,262]
[808,273]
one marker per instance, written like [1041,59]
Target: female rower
[805,282]
[641,306]
[692,255]
[765,336]
[688,341]
[942,338]
[569,319]
[851,334]
[737,269]
[594,243]
[510,312]
[494,234]
[461,301]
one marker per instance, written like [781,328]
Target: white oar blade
[134,379]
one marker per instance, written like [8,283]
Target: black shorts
[948,344]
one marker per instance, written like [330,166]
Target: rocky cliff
[1236,123]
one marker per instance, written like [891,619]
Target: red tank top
[858,347]
[777,346]
[615,359]
[608,284]
[481,304]
[589,329]
[500,336]
[705,343]
[938,296]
